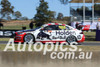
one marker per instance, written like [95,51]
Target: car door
[61,33]
[47,33]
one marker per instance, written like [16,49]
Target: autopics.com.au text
[58,51]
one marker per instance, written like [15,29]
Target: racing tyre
[71,39]
[28,38]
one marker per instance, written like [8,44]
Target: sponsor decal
[59,37]
[65,33]
[7,33]
[42,35]
[1,33]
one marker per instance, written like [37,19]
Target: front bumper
[19,38]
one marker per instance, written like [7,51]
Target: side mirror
[41,29]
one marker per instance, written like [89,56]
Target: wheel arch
[30,34]
[73,36]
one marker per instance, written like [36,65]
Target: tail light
[81,33]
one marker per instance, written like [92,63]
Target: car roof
[54,24]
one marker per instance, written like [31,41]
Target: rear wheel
[28,38]
[71,39]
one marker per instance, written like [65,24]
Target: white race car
[52,32]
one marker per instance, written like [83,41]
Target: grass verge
[4,39]
[90,36]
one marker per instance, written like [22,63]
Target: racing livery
[51,32]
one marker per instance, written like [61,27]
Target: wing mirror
[41,29]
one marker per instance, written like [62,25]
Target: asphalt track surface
[84,43]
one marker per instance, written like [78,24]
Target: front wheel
[71,39]
[28,38]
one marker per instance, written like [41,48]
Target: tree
[64,1]
[6,9]
[60,16]
[17,15]
[66,18]
[24,18]
[43,14]
[51,15]
[8,18]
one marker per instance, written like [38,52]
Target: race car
[51,32]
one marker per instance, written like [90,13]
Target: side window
[51,27]
[68,28]
[61,27]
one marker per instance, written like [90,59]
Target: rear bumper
[83,39]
